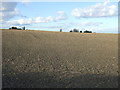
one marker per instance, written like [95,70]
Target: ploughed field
[35,59]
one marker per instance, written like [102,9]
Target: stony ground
[33,59]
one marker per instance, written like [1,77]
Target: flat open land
[35,59]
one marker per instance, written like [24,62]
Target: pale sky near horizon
[100,17]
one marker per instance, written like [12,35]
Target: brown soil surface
[34,59]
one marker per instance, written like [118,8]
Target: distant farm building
[23,28]
[15,28]
[74,30]
[60,30]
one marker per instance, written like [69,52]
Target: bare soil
[34,59]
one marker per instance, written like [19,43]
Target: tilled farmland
[35,59]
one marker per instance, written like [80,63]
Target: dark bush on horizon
[70,30]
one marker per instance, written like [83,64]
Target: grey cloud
[8,6]
[27,21]
[8,10]
[61,16]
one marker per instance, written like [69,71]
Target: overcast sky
[100,17]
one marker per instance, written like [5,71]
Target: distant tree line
[77,30]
